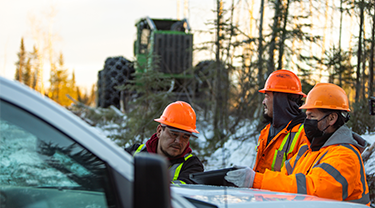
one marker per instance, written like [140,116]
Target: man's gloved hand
[243,177]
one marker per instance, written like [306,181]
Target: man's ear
[332,118]
[158,130]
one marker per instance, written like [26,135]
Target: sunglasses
[174,133]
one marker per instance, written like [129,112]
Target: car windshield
[33,153]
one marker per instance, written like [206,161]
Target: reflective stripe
[318,161]
[140,148]
[337,176]
[291,147]
[176,168]
[301,183]
[301,151]
[365,199]
[281,153]
[177,182]
[288,167]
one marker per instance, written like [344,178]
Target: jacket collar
[344,135]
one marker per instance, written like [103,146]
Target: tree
[147,95]
[34,65]
[260,46]
[60,85]
[275,28]
[372,57]
[359,52]
[21,63]
[28,74]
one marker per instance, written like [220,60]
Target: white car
[50,158]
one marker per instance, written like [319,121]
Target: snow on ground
[370,164]
[235,151]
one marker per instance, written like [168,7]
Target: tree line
[62,85]
[307,37]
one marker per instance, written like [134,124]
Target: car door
[43,167]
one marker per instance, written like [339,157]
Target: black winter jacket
[190,164]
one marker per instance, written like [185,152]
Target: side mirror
[151,181]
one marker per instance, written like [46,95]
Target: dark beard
[266,119]
[167,154]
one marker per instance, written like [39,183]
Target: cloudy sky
[86,32]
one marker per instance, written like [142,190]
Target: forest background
[319,40]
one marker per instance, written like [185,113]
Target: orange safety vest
[281,148]
[334,172]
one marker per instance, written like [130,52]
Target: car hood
[244,197]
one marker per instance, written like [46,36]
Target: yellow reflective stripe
[276,151]
[178,169]
[139,149]
[274,160]
[188,156]
[291,147]
[294,139]
[284,141]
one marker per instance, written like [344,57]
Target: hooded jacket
[334,171]
[281,138]
[180,167]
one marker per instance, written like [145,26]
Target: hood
[284,110]
[344,135]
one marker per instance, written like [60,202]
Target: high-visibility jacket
[179,168]
[335,171]
[281,148]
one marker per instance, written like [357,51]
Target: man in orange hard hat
[330,166]
[284,133]
[171,140]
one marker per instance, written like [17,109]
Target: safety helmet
[327,96]
[179,115]
[283,81]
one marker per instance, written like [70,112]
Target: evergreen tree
[27,75]
[21,63]
[72,87]
[153,94]
[60,85]
[92,95]
[34,67]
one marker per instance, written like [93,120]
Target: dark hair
[343,116]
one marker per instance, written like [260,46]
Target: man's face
[268,104]
[171,143]
[315,114]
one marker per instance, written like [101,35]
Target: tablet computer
[213,177]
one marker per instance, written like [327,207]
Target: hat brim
[178,126]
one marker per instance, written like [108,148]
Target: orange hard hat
[327,96]
[179,115]
[283,81]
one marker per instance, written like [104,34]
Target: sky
[87,32]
